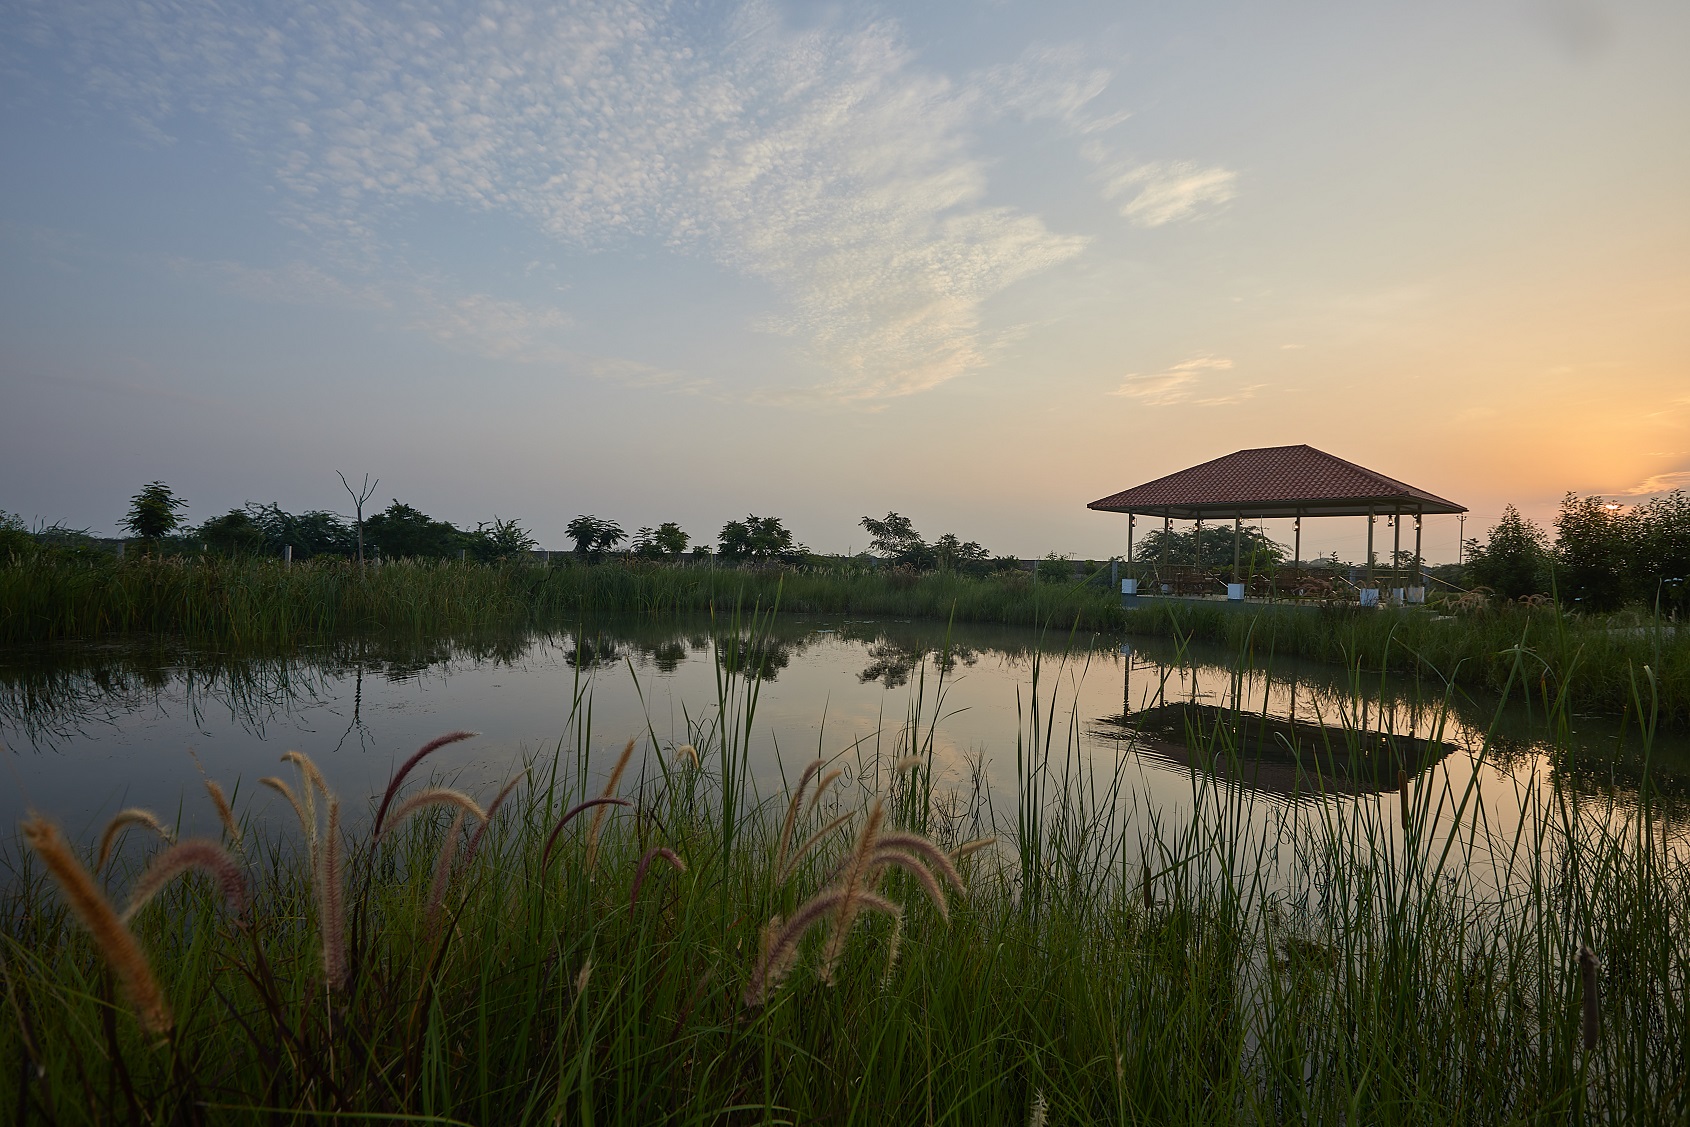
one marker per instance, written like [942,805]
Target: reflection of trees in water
[60,695]
[761,657]
[54,695]
[592,651]
[893,662]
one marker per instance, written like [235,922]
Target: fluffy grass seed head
[428,797]
[781,939]
[442,874]
[196,853]
[656,852]
[122,820]
[310,782]
[487,818]
[827,781]
[855,882]
[406,768]
[791,818]
[115,941]
[610,786]
[331,891]
[225,813]
[281,788]
[969,848]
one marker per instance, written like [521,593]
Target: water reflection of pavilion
[1283,737]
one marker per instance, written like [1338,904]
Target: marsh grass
[259,606]
[1359,962]
[258,603]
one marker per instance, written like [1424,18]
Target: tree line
[401,531]
[1604,554]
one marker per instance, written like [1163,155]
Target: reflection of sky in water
[92,729]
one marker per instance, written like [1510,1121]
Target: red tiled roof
[1275,481]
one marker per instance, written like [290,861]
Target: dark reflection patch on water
[92,728]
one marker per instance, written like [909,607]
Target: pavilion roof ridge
[1275,481]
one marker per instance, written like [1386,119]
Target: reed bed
[1595,658]
[261,603]
[659,943]
[262,606]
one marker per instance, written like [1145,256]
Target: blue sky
[978,263]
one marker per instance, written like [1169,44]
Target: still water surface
[90,729]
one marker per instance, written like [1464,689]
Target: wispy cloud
[825,161]
[1659,483]
[1181,384]
[1061,83]
[1164,191]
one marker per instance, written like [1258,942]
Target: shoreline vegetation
[1614,660]
[658,943]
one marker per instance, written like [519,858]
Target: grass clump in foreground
[661,945]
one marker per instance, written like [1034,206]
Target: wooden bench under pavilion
[1271,483]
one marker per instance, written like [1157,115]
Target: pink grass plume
[407,767]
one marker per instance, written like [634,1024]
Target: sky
[978,263]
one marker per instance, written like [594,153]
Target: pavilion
[1276,482]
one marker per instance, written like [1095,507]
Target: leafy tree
[952,554]
[500,540]
[1514,561]
[1662,537]
[593,537]
[896,539]
[314,533]
[671,539]
[400,531]
[15,539]
[759,538]
[1593,553]
[1217,548]
[1607,554]
[234,533]
[666,539]
[155,512]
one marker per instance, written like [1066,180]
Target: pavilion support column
[1396,546]
[1370,547]
[1419,567]
[1197,547]
[1297,542]
[1167,535]
[1131,520]
[1237,545]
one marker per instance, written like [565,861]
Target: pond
[90,729]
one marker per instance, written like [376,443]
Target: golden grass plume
[610,786]
[225,813]
[405,768]
[121,821]
[196,853]
[791,818]
[432,796]
[332,902]
[116,942]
